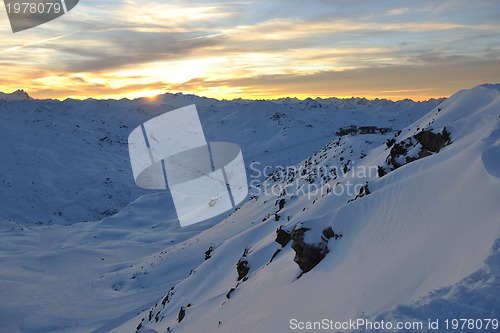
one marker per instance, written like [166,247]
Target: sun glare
[150,95]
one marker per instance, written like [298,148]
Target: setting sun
[254,50]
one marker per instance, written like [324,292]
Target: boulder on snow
[329,233]
[282,237]
[208,253]
[307,256]
[182,314]
[381,171]
[433,142]
[362,192]
[242,267]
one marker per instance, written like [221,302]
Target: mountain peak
[18,95]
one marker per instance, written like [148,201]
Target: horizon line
[154,96]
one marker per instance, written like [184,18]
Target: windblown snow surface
[83,250]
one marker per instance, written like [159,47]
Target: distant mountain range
[60,154]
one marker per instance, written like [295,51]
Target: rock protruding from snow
[182,314]
[433,142]
[308,255]
[422,144]
[242,267]
[282,237]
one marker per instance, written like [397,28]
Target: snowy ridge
[428,225]
[421,238]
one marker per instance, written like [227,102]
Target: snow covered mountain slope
[67,162]
[421,237]
[395,227]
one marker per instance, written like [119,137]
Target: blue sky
[256,49]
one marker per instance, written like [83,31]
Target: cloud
[394,81]
[130,47]
[225,48]
[397,11]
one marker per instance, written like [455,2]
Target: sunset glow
[254,49]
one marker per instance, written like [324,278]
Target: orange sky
[419,49]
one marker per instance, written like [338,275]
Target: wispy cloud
[255,48]
[397,11]
[389,81]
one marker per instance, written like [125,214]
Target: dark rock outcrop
[433,142]
[362,192]
[397,150]
[307,256]
[242,267]
[208,253]
[390,142]
[228,295]
[329,233]
[282,237]
[281,204]
[274,255]
[381,171]
[182,314]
